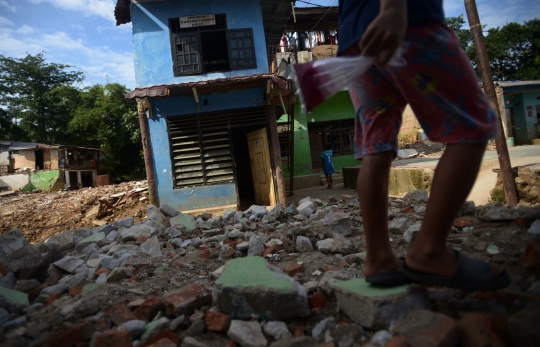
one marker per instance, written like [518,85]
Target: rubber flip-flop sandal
[470,274]
[391,278]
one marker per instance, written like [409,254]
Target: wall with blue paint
[530,100]
[202,196]
[151,40]
[523,106]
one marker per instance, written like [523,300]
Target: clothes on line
[306,40]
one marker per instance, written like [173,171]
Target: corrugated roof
[276,14]
[314,18]
[219,85]
[518,86]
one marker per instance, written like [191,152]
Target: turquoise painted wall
[337,107]
[529,105]
[522,128]
[202,196]
[151,40]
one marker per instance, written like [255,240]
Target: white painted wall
[4,158]
[14,182]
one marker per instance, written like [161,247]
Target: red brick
[51,299]
[133,278]
[169,246]
[329,268]
[120,314]
[299,330]
[73,336]
[103,323]
[407,209]
[231,243]
[75,291]
[142,238]
[317,301]
[396,342]
[231,343]
[267,251]
[52,280]
[531,257]
[239,241]
[103,270]
[186,300]
[481,329]
[462,222]
[427,328]
[522,223]
[34,293]
[343,263]
[217,321]
[114,338]
[294,268]
[165,334]
[206,254]
[149,308]
[3,270]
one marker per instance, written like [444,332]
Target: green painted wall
[41,180]
[337,107]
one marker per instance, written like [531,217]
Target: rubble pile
[424,149]
[43,214]
[280,277]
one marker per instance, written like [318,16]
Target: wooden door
[261,169]
[316,144]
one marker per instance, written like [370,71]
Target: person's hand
[385,34]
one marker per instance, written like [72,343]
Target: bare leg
[452,182]
[330,180]
[372,187]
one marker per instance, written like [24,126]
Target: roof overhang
[220,85]
[19,146]
[276,14]
[519,87]
[314,18]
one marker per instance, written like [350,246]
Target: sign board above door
[197,21]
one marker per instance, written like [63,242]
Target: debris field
[281,277]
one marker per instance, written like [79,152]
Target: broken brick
[294,268]
[142,238]
[206,254]
[149,308]
[299,330]
[51,299]
[462,222]
[103,270]
[133,278]
[481,329]
[186,300]
[52,280]
[343,263]
[74,335]
[407,209]
[317,301]
[521,223]
[531,257]
[120,314]
[113,338]
[3,270]
[75,291]
[396,342]
[217,321]
[267,251]
[427,328]
[165,334]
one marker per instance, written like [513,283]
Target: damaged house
[211,112]
[29,166]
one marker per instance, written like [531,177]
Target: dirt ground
[43,214]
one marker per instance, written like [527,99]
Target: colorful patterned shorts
[438,83]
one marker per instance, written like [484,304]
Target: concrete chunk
[186,300]
[247,334]
[376,307]
[250,286]
[168,210]
[337,222]
[185,220]
[138,230]
[152,247]
[69,264]
[123,223]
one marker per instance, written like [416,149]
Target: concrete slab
[376,307]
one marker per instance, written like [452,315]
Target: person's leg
[452,182]
[330,180]
[372,187]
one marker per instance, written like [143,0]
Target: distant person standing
[328,165]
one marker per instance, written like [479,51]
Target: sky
[83,33]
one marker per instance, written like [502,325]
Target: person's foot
[378,265]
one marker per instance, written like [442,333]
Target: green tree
[39,95]
[464,35]
[10,131]
[105,119]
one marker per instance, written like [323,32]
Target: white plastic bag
[319,80]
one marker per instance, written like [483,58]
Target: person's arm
[385,34]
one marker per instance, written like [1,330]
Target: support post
[196,96]
[276,149]
[487,80]
[142,106]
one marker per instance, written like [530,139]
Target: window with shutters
[200,145]
[339,134]
[211,48]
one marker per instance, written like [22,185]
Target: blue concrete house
[206,100]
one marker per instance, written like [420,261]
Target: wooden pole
[487,80]
[147,150]
[276,151]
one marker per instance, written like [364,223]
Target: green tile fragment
[14,296]
[360,286]
[251,272]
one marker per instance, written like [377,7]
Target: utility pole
[487,80]
[142,106]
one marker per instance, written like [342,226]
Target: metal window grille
[338,133]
